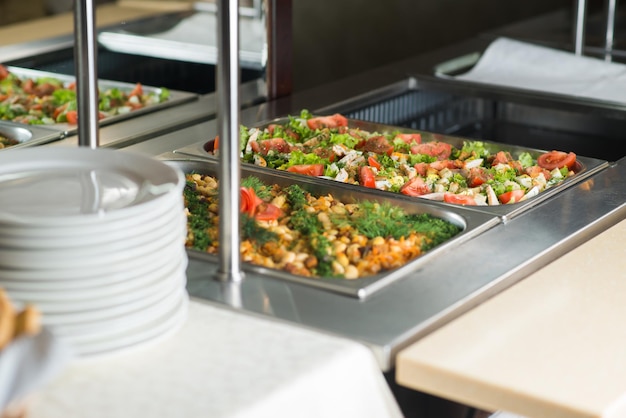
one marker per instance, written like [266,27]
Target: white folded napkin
[511,63]
[28,363]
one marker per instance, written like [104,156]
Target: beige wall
[13,11]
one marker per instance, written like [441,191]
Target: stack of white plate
[95,239]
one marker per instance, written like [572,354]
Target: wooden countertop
[106,15]
[553,345]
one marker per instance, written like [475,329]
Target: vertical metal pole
[579,33]
[228,121]
[610,29]
[85,58]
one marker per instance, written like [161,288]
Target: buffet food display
[310,235]
[502,179]
[35,97]
[474,174]
[331,236]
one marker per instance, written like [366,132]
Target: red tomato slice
[274,144]
[366,177]
[501,157]
[59,110]
[137,91]
[422,169]
[4,72]
[268,212]
[333,121]
[72,117]
[314,170]
[477,176]
[441,150]
[459,199]
[28,86]
[373,162]
[415,187]
[249,201]
[511,197]
[556,159]
[246,200]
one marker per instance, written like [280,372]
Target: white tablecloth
[510,63]
[225,364]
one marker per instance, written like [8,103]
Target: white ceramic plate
[93,229]
[150,334]
[89,257]
[58,316]
[133,235]
[78,186]
[83,333]
[108,290]
[127,270]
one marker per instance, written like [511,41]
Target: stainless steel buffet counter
[448,285]
[408,93]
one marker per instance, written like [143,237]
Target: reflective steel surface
[455,281]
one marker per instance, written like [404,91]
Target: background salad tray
[19,135]
[470,222]
[584,167]
[175,97]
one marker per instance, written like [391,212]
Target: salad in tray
[396,161]
[48,100]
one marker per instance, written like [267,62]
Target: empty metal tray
[27,135]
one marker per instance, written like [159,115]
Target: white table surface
[224,363]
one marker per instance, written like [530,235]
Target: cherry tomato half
[366,177]
[267,212]
[373,162]
[333,121]
[440,150]
[415,187]
[556,159]
[477,176]
[72,117]
[459,199]
[314,170]
[511,197]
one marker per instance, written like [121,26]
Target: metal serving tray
[176,97]
[470,221]
[189,36]
[28,135]
[585,167]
